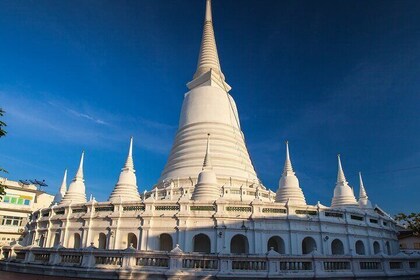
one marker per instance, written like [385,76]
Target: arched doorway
[76,241]
[165,242]
[277,243]
[102,241]
[360,248]
[337,247]
[308,245]
[376,247]
[201,243]
[132,240]
[239,244]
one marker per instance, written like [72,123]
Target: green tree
[411,221]
[2,133]
[2,124]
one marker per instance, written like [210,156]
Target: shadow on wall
[231,238]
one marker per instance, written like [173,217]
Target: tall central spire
[208,57]
[208,70]
[209,108]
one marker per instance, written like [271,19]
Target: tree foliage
[411,221]
[2,124]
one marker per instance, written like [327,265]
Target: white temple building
[209,216]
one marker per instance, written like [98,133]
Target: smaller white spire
[79,173]
[207,188]
[126,187]
[289,190]
[343,193]
[129,162]
[288,169]
[62,191]
[77,190]
[340,174]
[207,160]
[363,197]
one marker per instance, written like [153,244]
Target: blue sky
[329,76]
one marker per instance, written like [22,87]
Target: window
[16,199]
[333,214]
[11,221]
[416,245]
[357,218]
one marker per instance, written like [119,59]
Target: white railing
[58,261]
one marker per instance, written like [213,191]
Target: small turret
[126,187]
[77,190]
[363,198]
[289,189]
[343,194]
[62,191]
[206,188]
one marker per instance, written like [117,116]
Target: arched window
[376,247]
[277,243]
[76,241]
[239,244]
[132,240]
[165,242]
[56,239]
[201,244]
[41,241]
[360,248]
[308,245]
[337,247]
[102,241]
[388,248]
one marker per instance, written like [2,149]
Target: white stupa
[62,191]
[126,187]
[343,193]
[206,188]
[289,190]
[208,108]
[363,198]
[77,190]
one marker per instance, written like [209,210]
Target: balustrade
[200,263]
[42,257]
[395,265]
[152,261]
[336,265]
[108,260]
[370,265]
[71,259]
[249,265]
[295,265]
[20,255]
[214,264]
